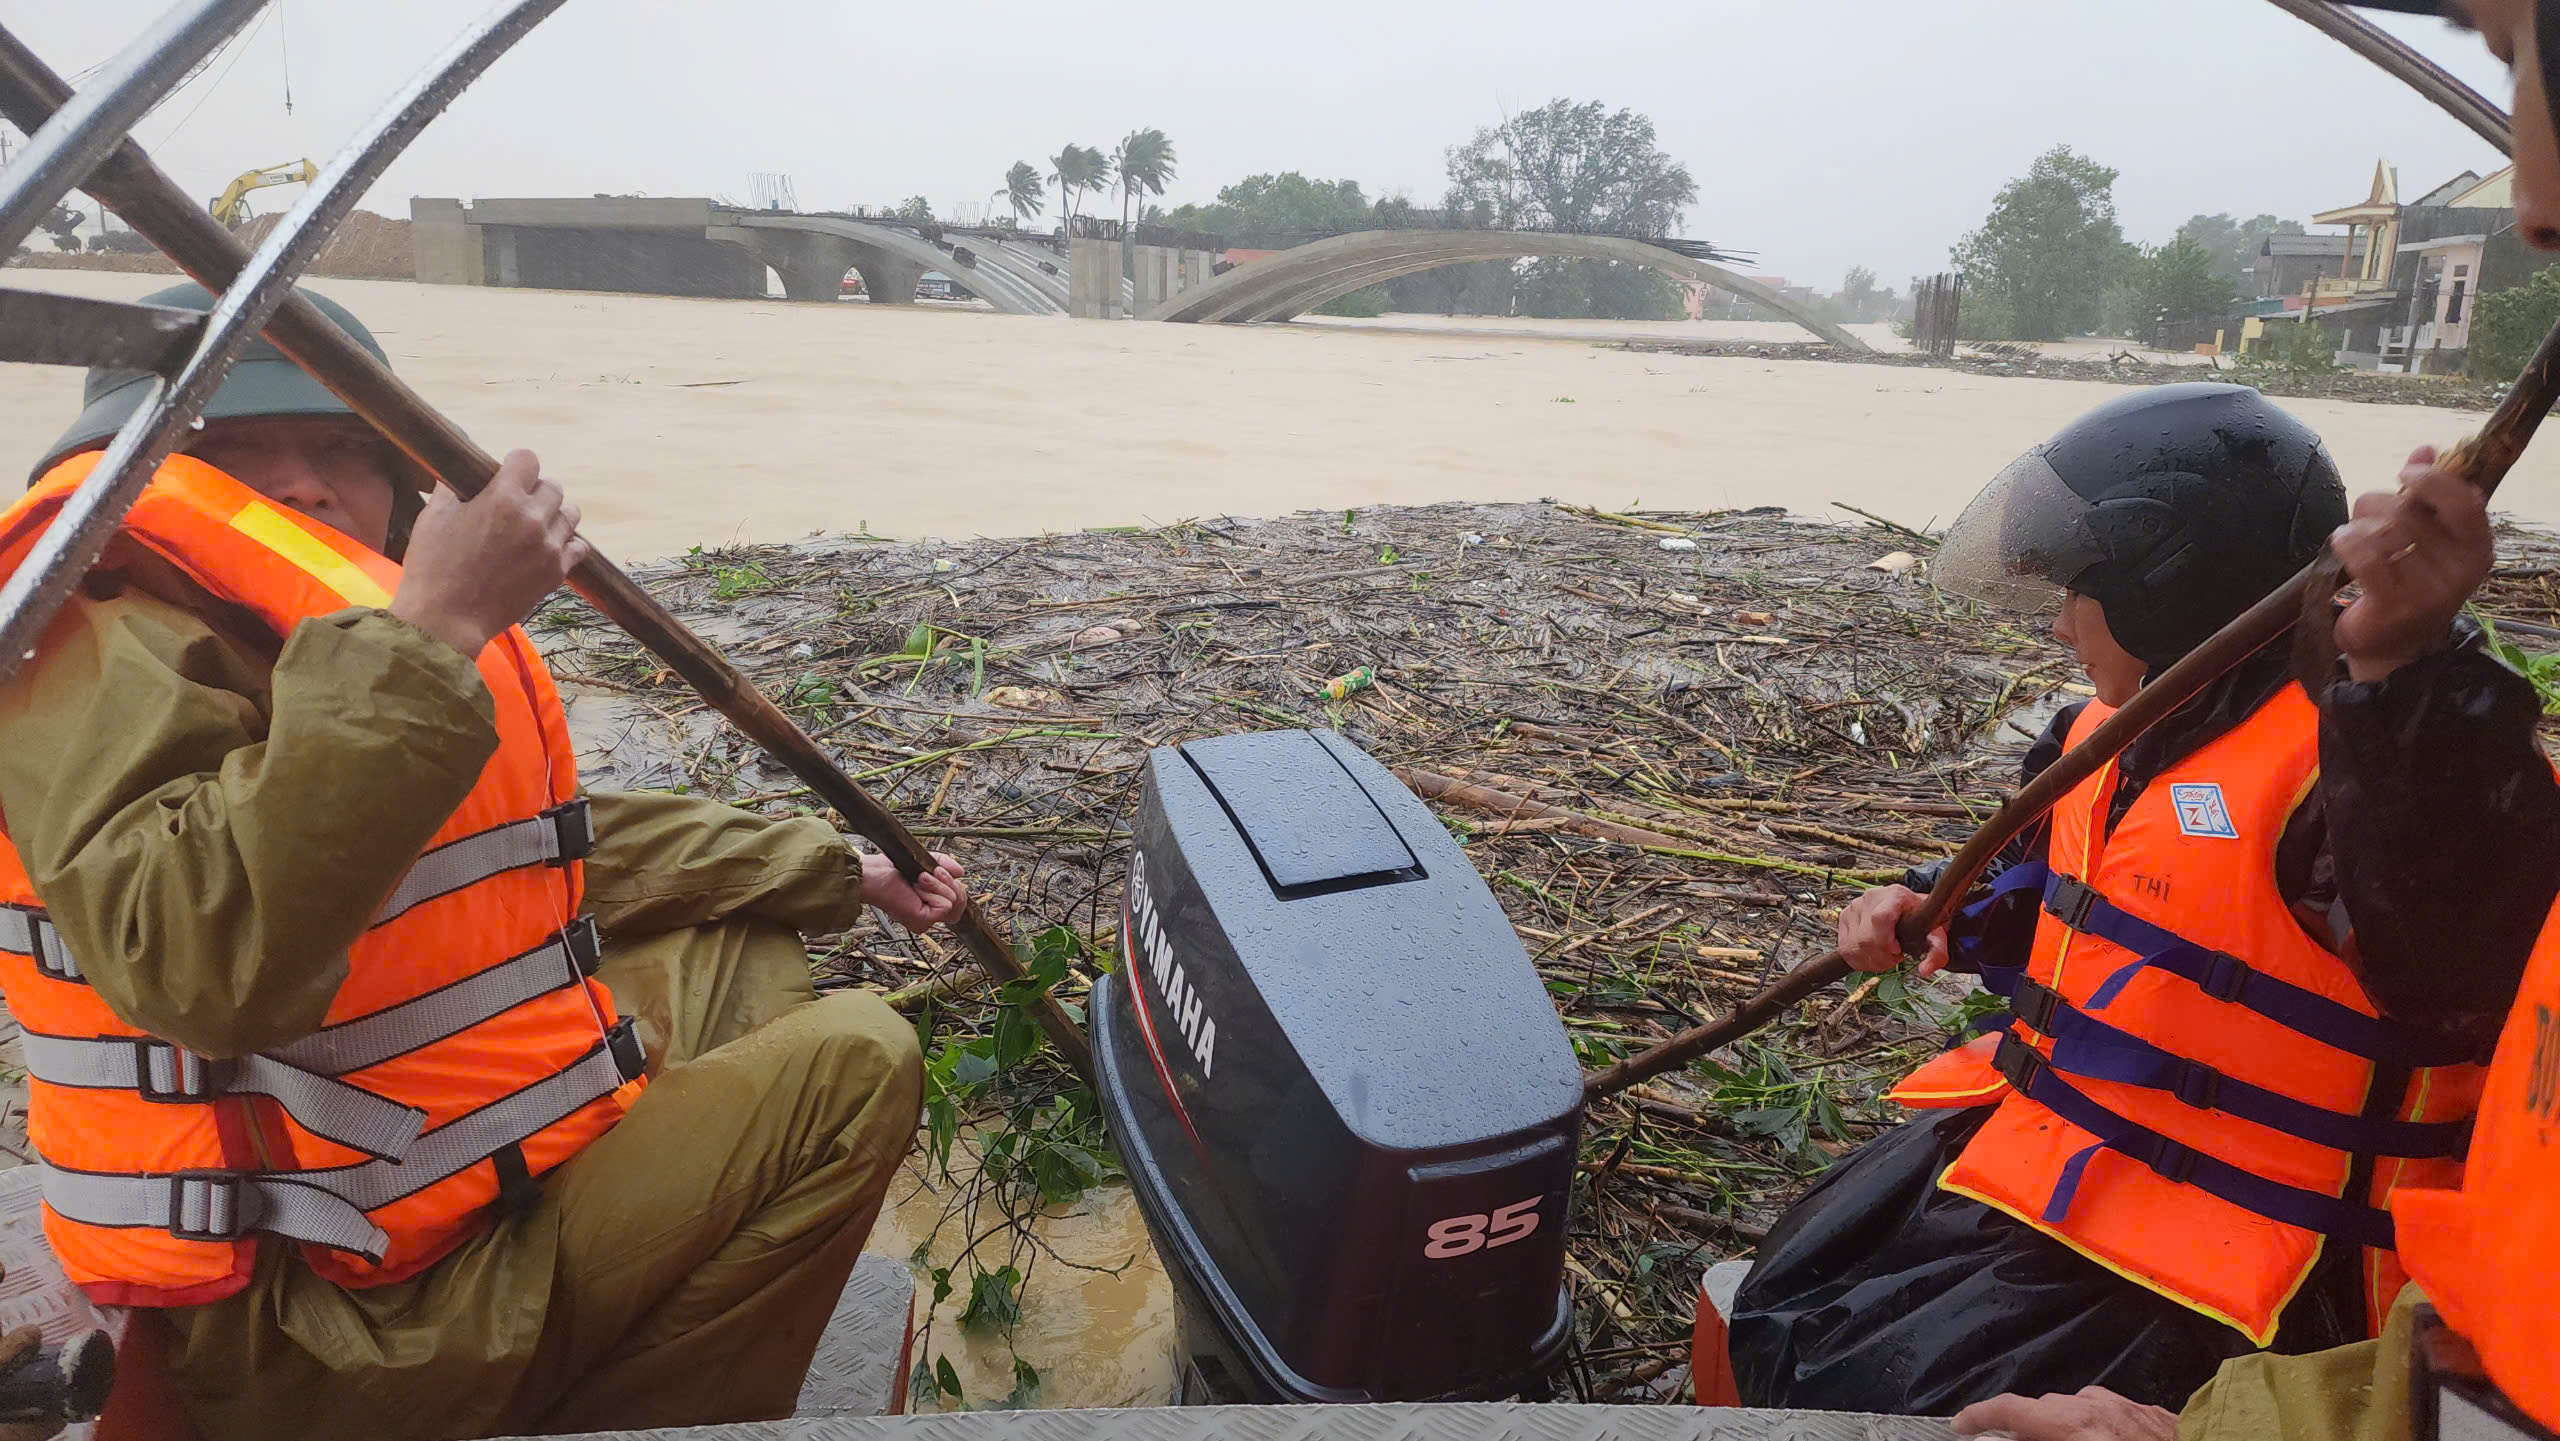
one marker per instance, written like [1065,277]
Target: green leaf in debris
[992,1300]
[1768,1120]
[945,1378]
[1016,1036]
[941,1284]
[2541,671]
[972,1067]
[1026,1386]
[920,1380]
[1063,1171]
[942,1127]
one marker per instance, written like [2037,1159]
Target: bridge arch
[1283,286]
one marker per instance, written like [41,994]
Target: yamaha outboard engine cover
[1341,1092]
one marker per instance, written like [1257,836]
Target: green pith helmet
[262,385]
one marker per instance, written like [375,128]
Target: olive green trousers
[676,1272]
[2357,1392]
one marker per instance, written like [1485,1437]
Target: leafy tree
[1860,298]
[1076,169]
[63,225]
[1023,190]
[1581,169]
[1578,168]
[915,207]
[2234,244]
[2291,347]
[2507,325]
[2177,283]
[2049,247]
[1273,212]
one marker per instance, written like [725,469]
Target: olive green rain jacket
[210,818]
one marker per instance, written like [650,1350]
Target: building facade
[2397,291]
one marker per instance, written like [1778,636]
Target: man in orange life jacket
[300,906]
[2179,1147]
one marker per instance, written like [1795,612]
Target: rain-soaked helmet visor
[2023,539]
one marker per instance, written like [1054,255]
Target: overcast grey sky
[1823,133]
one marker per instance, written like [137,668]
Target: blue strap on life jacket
[2085,1046]
[2229,979]
[2028,875]
[2033,1077]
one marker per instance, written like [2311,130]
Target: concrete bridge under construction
[693,246]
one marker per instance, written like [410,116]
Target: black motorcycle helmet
[2175,508]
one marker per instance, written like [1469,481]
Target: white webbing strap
[370,1040]
[163,1072]
[300,1076]
[559,834]
[327,1208]
[214,1206]
[29,934]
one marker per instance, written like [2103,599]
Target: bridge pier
[1094,282]
[886,279]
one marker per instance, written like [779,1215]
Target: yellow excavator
[231,207]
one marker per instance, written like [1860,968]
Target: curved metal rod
[2423,75]
[82,133]
[77,536]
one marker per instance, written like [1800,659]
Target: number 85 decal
[1460,1235]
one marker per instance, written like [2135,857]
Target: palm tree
[1022,190]
[1078,168]
[1145,162]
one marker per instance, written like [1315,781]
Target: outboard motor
[1340,1091]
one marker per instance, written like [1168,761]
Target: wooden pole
[161,212]
[2484,460]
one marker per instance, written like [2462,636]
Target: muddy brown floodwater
[677,423]
[1097,1308]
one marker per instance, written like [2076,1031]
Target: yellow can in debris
[1343,685]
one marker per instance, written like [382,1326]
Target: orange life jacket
[467,1051]
[2190,1086]
[2487,1253]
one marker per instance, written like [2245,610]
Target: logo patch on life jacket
[2201,811]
